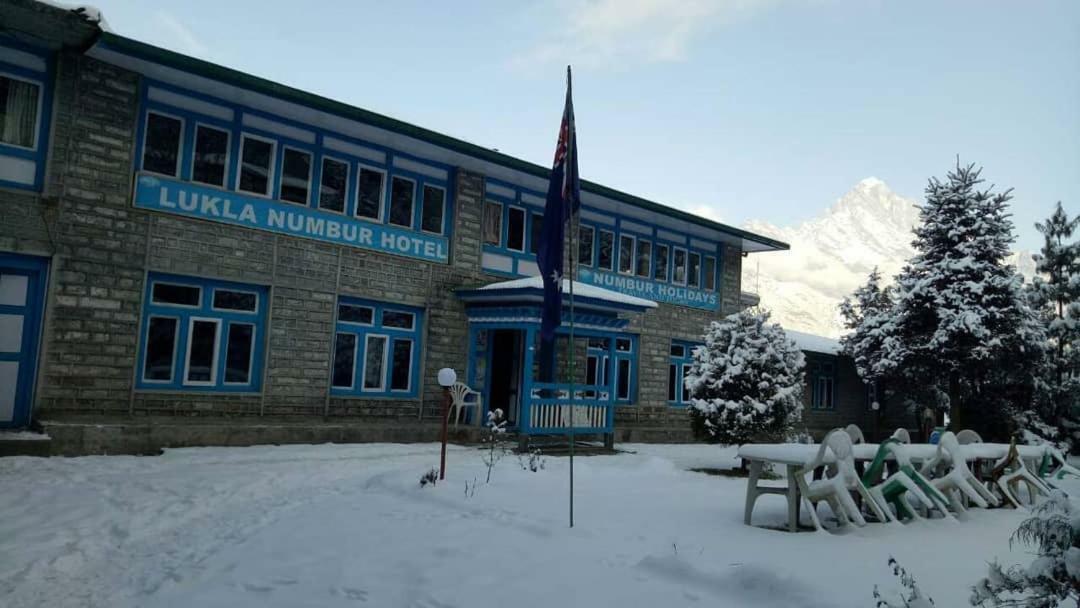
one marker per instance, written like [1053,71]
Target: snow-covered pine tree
[1055,294]
[961,335]
[746,382]
[865,312]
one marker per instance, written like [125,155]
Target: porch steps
[24,443]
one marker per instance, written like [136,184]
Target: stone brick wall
[849,398]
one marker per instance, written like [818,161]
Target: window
[369,193]
[211,156]
[200,334]
[679,271]
[161,144]
[19,102]
[376,349]
[822,381]
[626,254]
[644,258]
[585,245]
[295,176]
[679,365]
[535,231]
[693,274]
[515,229]
[256,165]
[333,183]
[431,217]
[606,259]
[402,193]
[622,380]
[492,223]
[708,271]
[661,262]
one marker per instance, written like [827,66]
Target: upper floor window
[333,185]
[376,349]
[644,258]
[535,230]
[661,262]
[626,254]
[431,216]
[606,251]
[585,245]
[492,223]
[20,103]
[211,158]
[515,229]
[693,272]
[200,334]
[161,146]
[678,274]
[708,273]
[369,193]
[822,379]
[295,176]
[402,194]
[256,165]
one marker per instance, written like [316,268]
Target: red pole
[445,418]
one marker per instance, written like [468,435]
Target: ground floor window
[376,349]
[201,334]
[616,367]
[679,362]
[822,379]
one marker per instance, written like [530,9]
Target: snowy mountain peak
[832,254]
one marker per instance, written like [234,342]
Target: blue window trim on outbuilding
[679,361]
[390,166]
[44,78]
[361,332]
[206,311]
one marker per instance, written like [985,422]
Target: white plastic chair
[968,436]
[1057,467]
[855,433]
[959,481]
[902,435]
[836,489]
[1011,471]
[459,394]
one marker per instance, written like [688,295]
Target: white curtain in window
[20,112]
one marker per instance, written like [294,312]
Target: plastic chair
[459,394]
[902,435]
[1055,466]
[897,488]
[959,481]
[1010,472]
[855,433]
[836,489]
[968,436]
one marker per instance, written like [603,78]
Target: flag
[563,198]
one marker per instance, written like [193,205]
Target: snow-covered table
[795,456]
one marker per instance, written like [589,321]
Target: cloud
[616,33]
[180,38]
[706,212]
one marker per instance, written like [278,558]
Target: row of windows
[201,334]
[290,173]
[517,229]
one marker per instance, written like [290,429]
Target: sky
[732,109]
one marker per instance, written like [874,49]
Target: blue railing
[549,410]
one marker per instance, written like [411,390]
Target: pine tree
[746,382]
[960,335]
[1055,295]
[865,312]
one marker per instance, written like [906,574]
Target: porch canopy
[504,355]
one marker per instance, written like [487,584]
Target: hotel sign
[651,290]
[207,203]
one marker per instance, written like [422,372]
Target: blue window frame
[202,335]
[822,378]
[376,349]
[238,148]
[611,361]
[26,90]
[679,361]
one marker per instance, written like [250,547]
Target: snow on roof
[814,344]
[89,12]
[580,289]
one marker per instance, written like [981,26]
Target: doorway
[22,286]
[506,379]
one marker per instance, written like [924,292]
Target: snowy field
[350,526]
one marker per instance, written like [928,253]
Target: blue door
[22,301]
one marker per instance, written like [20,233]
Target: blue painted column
[526,393]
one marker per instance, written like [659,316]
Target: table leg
[751,489]
[793,499]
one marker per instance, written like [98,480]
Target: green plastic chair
[895,489]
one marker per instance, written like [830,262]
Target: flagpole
[573,278]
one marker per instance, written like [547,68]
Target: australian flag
[563,199]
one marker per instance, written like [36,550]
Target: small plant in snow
[470,488]
[533,462]
[431,477]
[494,441]
[910,597]
[1054,576]
[746,382]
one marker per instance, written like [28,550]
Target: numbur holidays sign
[193,200]
[651,290]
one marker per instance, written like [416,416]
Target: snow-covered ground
[349,526]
